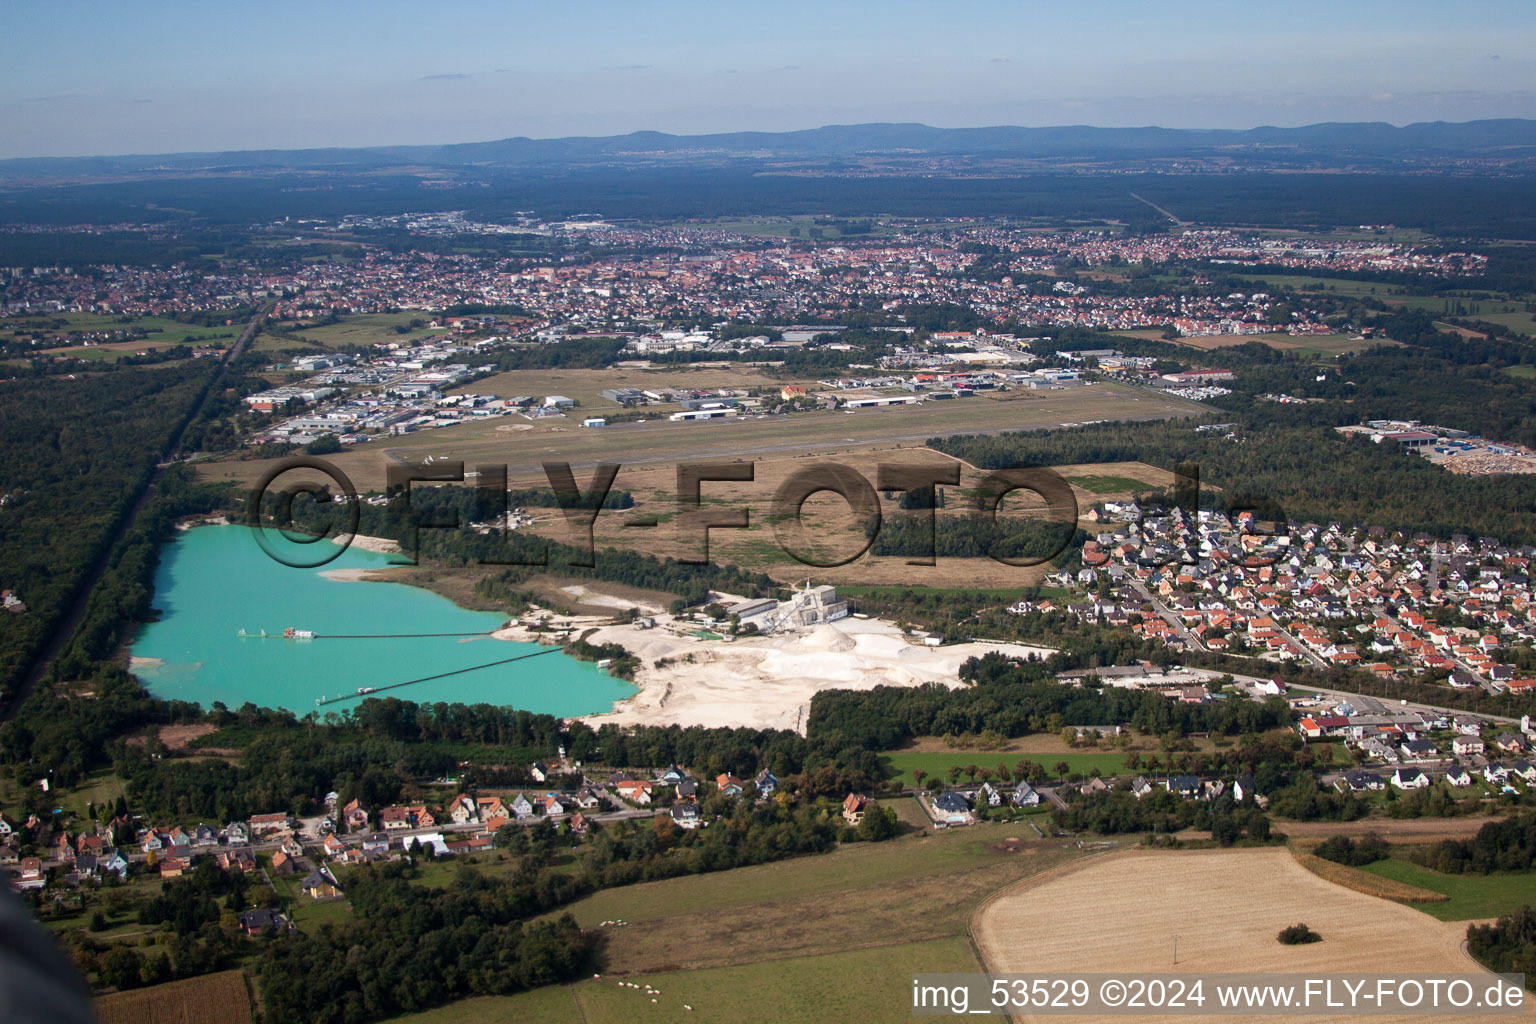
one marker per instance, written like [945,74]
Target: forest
[74,457]
[411,947]
[1508,946]
[1508,845]
[1287,471]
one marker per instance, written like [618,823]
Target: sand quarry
[1119,913]
[767,682]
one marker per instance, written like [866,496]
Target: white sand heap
[766,682]
[826,638]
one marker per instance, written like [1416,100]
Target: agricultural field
[160,333]
[364,329]
[1511,317]
[1126,910]
[801,990]
[1315,345]
[221,998]
[935,757]
[1470,897]
[780,941]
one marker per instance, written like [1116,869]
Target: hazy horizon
[88,81]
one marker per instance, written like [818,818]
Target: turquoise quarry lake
[214,581]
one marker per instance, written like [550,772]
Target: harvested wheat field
[220,998]
[1120,913]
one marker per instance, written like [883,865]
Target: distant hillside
[1508,141]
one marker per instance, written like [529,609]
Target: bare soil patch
[177,737]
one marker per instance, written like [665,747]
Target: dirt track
[1402,830]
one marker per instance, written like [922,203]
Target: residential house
[766,782]
[854,806]
[414,816]
[205,835]
[1024,795]
[1409,778]
[463,811]
[636,791]
[30,874]
[354,817]
[553,804]
[319,884]
[951,808]
[522,807]
[113,861]
[1458,777]
[686,815]
[1466,746]
[578,823]
[1359,780]
[728,784]
[539,771]
[1182,785]
[261,824]
[489,807]
[236,860]
[236,833]
[257,922]
[673,775]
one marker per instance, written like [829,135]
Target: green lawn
[1522,370]
[1001,593]
[306,913]
[856,985]
[553,1004]
[1110,484]
[370,328]
[902,762]
[162,332]
[1471,896]
[854,866]
[1519,320]
[103,788]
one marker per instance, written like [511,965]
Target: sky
[99,79]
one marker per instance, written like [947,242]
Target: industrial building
[809,607]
